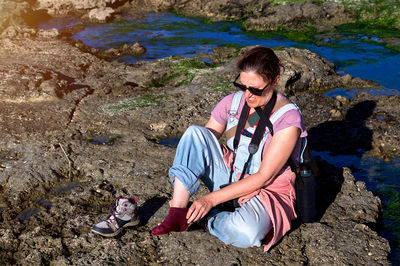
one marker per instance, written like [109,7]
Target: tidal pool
[165,34]
[45,202]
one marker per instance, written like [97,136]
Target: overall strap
[242,120]
[237,98]
[239,128]
[259,132]
[263,122]
[279,112]
[236,102]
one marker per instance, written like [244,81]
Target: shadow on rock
[329,184]
[349,136]
[150,207]
[329,180]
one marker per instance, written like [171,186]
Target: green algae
[373,17]
[390,195]
[393,47]
[287,2]
[132,104]
[351,29]
[304,35]
[223,86]
[177,25]
[189,68]
[382,13]
[177,11]
[184,70]
[184,41]
[129,27]
[378,35]
[190,63]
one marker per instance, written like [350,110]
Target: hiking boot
[122,214]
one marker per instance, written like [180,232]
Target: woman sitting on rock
[265,190]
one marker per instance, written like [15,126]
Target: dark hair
[261,60]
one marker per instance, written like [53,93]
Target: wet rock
[353,203]
[14,13]
[19,13]
[101,14]
[136,50]
[303,71]
[70,31]
[51,33]
[392,41]
[18,31]
[341,101]
[220,54]
[220,9]
[299,15]
[258,14]
[69,7]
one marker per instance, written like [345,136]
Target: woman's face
[252,79]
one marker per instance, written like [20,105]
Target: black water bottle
[305,194]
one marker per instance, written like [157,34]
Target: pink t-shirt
[290,118]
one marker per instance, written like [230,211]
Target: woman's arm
[215,127]
[275,157]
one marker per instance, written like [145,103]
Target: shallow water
[45,202]
[353,52]
[165,34]
[350,93]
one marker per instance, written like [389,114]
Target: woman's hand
[199,208]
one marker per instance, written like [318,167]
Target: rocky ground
[77,130]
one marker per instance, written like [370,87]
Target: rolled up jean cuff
[190,180]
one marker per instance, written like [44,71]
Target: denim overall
[242,152]
[199,156]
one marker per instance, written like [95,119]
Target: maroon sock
[174,222]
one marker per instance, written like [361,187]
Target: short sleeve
[291,118]
[221,111]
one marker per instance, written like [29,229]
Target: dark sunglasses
[252,90]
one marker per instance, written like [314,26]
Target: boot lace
[112,210]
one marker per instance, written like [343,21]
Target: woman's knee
[248,236]
[193,129]
[243,233]
[197,135]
